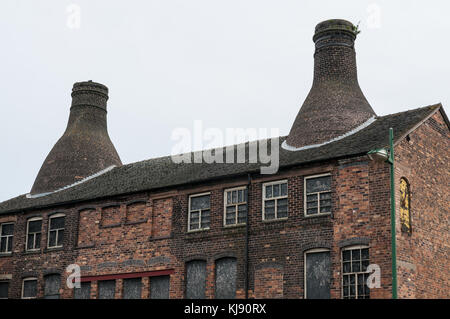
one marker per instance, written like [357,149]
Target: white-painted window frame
[8,237]
[34,237]
[354,247]
[236,205]
[200,213]
[23,285]
[57,230]
[283,181]
[311,251]
[305,196]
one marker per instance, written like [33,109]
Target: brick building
[158,229]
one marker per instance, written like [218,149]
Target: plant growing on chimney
[356,29]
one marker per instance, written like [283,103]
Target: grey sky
[229,63]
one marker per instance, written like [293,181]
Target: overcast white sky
[229,63]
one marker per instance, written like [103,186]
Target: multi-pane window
[235,206]
[275,200]
[199,212]
[318,195]
[355,261]
[6,236]
[56,231]
[4,287]
[29,288]
[34,233]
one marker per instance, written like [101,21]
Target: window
[275,200]
[4,287]
[159,287]
[29,288]
[199,212]
[84,292]
[34,233]
[52,285]
[226,278]
[235,206]
[6,236]
[56,231]
[318,195]
[132,288]
[355,261]
[195,279]
[106,289]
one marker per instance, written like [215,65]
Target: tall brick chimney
[85,147]
[335,105]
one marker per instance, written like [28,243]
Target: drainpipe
[393,229]
[246,282]
[388,156]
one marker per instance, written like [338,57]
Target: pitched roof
[162,172]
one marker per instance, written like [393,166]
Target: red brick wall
[423,257]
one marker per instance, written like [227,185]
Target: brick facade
[423,256]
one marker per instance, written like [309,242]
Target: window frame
[305,194]
[8,238]
[350,248]
[264,185]
[57,230]
[33,219]
[225,205]
[23,286]
[200,215]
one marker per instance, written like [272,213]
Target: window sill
[316,215]
[8,254]
[51,249]
[270,221]
[197,231]
[32,252]
[233,226]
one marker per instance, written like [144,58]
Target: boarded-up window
[29,288]
[111,216]
[106,289]
[226,278]
[132,288]
[317,275]
[87,227]
[195,279]
[136,212]
[52,285]
[4,286]
[159,287]
[84,292]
